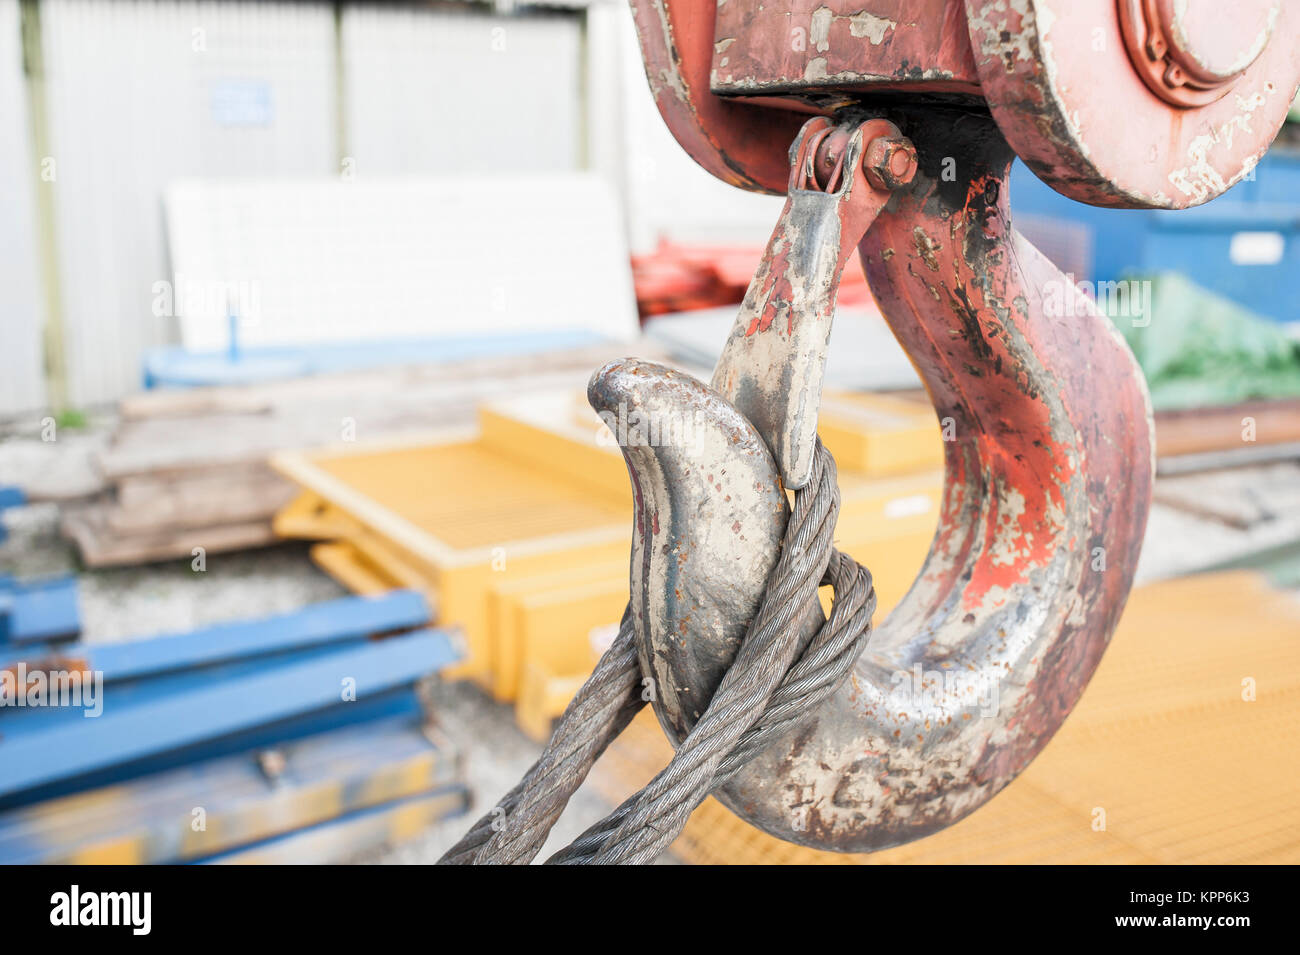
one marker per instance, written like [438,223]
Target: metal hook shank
[772,364]
[1047,486]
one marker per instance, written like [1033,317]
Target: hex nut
[889,162]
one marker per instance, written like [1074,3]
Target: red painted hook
[1047,486]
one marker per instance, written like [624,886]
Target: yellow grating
[427,487]
[1184,768]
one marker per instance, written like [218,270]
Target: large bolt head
[889,162]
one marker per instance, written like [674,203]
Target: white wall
[461,92]
[140,93]
[22,386]
[385,259]
[145,92]
[668,194]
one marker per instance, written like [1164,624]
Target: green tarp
[1198,348]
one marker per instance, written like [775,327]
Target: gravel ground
[496,756]
[119,604]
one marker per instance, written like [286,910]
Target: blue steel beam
[399,702]
[42,745]
[350,618]
[10,496]
[32,611]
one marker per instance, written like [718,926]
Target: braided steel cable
[770,688]
[517,826]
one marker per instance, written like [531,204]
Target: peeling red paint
[1051,421]
[775,291]
[918,45]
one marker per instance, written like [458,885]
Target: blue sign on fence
[241,102]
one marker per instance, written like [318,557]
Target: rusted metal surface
[818,45]
[1049,459]
[742,144]
[890,162]
[1047,487]
[772,364]
[709,516]
[1056,74]
[1190,54]
[1059,80]
[1046,494]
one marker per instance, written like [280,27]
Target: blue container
[1244,245]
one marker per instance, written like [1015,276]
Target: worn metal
[35,611]
[171,717]
[739,143]
[812,46]
[709,514]
[1049,454]
[772,364]
[1059,80]
[315,781]
[333,622]
[1057,75]
[977,667]
[1190,55]
[890,162]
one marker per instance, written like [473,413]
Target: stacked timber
[188,469]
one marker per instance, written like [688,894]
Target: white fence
[22,383]
[143,93]
[140,93]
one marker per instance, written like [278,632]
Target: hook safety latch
[773,362]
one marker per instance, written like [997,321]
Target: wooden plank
[187,469]
[413,495]
[141,491]
[101,547]
[547,617]
[344,564]
[153,505]
[181,431]
[456,379]
[1239,498]
[311,517]
[1225,427]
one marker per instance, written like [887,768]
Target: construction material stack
[519,531]
[299,737]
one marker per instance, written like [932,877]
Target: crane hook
[1047,484]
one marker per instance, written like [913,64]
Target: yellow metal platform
[1183,749]
[520,532]
[455,518]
